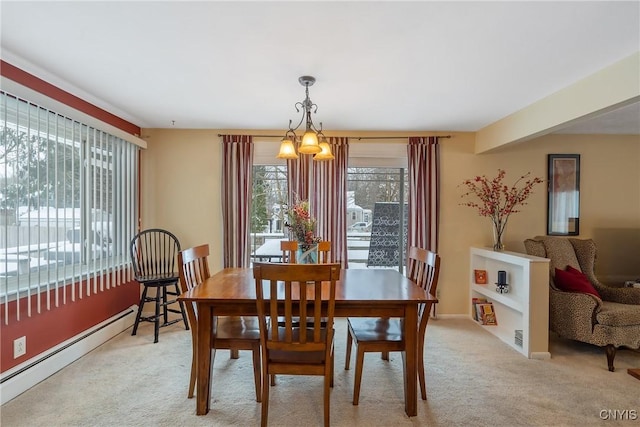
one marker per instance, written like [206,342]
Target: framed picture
[563,213]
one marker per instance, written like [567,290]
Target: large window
[269,198]
[376,214]
[376,217]
[68,196]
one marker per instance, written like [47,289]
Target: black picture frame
[563,213]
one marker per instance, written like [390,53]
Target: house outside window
[68,201]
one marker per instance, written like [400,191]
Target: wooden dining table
[359,293]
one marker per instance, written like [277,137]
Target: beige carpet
[473,379]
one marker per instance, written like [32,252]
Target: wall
[49,328]
[181,191]
[180,176]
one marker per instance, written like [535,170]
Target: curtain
[424,192]
[329,199]
[237,181]
[298,178]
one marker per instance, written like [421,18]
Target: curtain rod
[355,137]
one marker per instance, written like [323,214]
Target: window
[68,196]
[377,224]
[269,197]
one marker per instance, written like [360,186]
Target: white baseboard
[20,378]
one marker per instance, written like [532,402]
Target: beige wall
[181,191]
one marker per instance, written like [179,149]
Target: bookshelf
[525,307]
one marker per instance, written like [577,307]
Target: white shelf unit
[524,307]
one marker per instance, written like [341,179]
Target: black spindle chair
[153,255]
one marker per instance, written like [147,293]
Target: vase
[307,254]
[498,233]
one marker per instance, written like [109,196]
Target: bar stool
[153,255]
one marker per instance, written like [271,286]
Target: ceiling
[380,66]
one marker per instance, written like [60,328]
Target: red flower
[300,223]
[496,200]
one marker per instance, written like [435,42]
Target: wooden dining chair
[289,248]
[324,247]
[418,262]
[286,291]
[232,332]
[384,334]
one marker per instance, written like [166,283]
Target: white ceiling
[380,66]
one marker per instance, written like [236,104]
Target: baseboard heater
[24,376]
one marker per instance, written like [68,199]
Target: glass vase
[307,254]
[498,232]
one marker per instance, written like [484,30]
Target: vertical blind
[68,195]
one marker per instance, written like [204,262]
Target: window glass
[68,201]
[376,211]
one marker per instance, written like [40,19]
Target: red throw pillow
[573,280]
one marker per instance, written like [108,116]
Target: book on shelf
[476,310]
[488,314]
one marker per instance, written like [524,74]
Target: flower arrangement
[301,224]
[497,201]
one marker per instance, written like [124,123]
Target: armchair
[611,320]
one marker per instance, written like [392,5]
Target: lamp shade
[287,150]
[309,143]
[326,153]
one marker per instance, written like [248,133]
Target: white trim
[42,100]
[48,363]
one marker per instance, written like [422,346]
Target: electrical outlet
[19,347]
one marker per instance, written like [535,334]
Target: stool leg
[157,319]
[165,313]
[141,305]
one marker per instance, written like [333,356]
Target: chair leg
[257,371]
[264,416]
[358,377]
[327,397]
[140,307]
[348,358]
[423,386]
[165,311]
[157,317]
[384,355]
[331,372]
[611,354]
[273,380]
[234,353]
[182,310]
[194,365]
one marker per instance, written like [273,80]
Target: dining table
[359,293]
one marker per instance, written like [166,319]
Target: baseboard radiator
[24,376]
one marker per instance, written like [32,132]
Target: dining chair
[153,255]
[232,332]
[289,248]
[324,247]
[418,261]
[284,291]
[385,334]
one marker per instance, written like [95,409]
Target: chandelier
[313,141]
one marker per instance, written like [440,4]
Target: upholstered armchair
[610,320]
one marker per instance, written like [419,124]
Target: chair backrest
[193,266]
[424,268]
[194,269]
[324,247]
[289,248]
[287,292]
[153,253]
